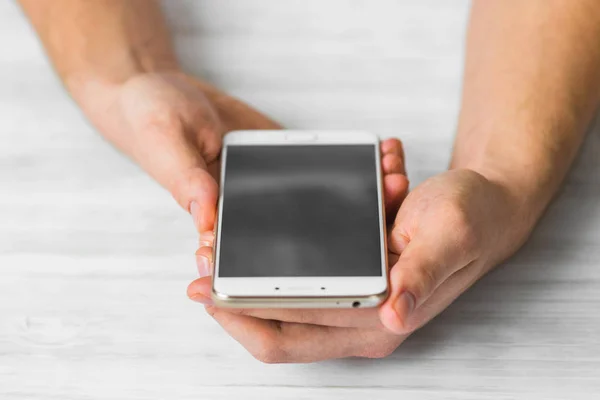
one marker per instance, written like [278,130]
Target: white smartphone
[301,221]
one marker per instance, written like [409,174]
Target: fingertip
[200,287]
[396,184]
[395,312]
[395,190]
[204,261]
[389,319]
[391,145]
[207,301]
[197,192]
[391,163]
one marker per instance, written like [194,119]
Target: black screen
[291,211]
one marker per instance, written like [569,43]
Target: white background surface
[95,257]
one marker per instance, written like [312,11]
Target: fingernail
[206,239]
[203,265]
[199,298]
[405,304]
[208,235]
[195,211]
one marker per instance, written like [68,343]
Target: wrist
[90,89]
[505,215]
[92,85]
[523,193]
[98,94]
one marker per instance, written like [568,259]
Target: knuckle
[191,182]
[206,132]
[426,282]
[467,239]
[454,213]
[459,219]
[169,123]
[398,240]
[211,146]
[163,120]
[181,186]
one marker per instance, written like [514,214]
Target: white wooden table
[95,257]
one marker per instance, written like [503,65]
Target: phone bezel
[316,291]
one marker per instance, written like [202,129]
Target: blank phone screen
[300,211]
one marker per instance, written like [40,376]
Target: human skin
[531,87]
[116,59]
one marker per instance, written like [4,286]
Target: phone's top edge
[276,131]
[292,136]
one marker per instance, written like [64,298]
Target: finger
[204,262]
[392,259]
[341,318]
[181,141]
[197,191]
[421,268]
[395,188]
[444,295]
[392,146]
[200,290]
[392,164]
[214,169]
[206,239]
[282,342]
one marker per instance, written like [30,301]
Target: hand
[172,125]
[448,232]
[261,331]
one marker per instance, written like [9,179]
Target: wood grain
[95,257]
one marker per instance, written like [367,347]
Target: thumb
[425,263]
[197,192]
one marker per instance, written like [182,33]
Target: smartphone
[301,221]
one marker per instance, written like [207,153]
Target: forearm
[98,45]
[106,41]
[531,87]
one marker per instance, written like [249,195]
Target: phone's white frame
[370,289]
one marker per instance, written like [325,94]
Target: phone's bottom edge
[368,301]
